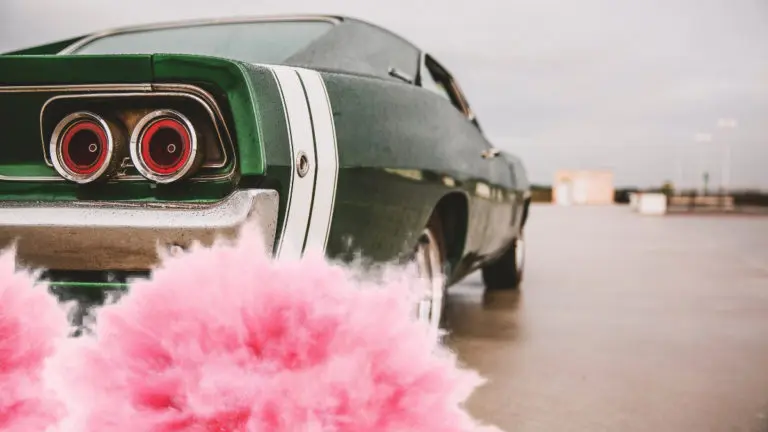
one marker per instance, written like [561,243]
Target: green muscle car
[329,132]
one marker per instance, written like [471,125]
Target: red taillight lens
[164,146]
[81,147]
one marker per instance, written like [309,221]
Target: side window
[429,82]
[436,78]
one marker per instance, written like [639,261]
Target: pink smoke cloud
[31,324]
[227,339]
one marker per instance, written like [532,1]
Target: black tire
[506,273]
[435,225]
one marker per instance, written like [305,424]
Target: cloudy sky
[614,84]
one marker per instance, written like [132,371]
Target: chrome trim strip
[31,178]
[193,23]
[105,235]
[184,90]
[196,98]
[227,212]
[55,147]
[77,88]
[138,135]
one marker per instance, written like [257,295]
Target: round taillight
[81,147]
[164,146]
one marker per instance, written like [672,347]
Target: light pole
[726,123]
[703,138]
[681,152]
[679,170]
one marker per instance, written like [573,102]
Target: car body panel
[383,153]
[21,105]
[231,78]
[40,70]
[360,48]
[419,149]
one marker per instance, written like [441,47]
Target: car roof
[352,45]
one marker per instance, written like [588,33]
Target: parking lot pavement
[624,323]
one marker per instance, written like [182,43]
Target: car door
[492,204]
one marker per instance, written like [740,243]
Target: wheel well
[453,212]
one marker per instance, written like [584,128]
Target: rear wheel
[430,262]
[506,273]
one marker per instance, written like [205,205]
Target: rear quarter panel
[402,149]
[29,82]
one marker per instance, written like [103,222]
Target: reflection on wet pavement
[624,323]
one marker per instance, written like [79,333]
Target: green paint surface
[80,69]
[232,84]
[401,151]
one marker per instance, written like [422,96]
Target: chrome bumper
[99,235]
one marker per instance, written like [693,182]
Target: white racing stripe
[311,129]
[327,164]
[298,207]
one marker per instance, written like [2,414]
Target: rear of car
[114,151]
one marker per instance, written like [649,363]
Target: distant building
[580,187]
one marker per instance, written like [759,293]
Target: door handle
[490,153]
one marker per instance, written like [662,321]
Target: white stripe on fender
[327,160]
[298,207]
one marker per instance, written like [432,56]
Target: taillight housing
[82,147]
[164,147]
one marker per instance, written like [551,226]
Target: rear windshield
[252,42]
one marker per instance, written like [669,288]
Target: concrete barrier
[652,204]
[702,201]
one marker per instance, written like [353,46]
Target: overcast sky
[565,84]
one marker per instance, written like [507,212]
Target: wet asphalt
[623,323]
